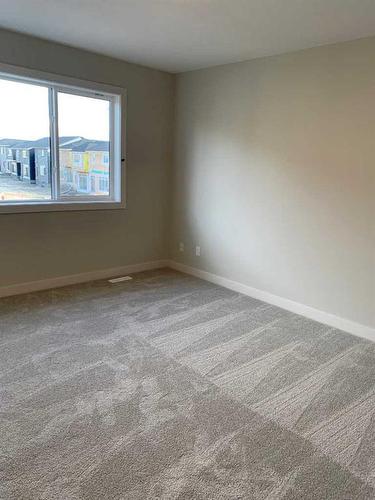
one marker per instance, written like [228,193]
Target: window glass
[24,122]
[84,137]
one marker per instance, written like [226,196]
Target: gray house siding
[6,156]
[25,158]
[42,166]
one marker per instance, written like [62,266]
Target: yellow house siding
[86,162]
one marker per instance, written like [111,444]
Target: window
[94,116]
[20,103]
[103,184]
[82,183]
[68,175]
[69,135]
[77,160]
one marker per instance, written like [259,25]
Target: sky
[24,113]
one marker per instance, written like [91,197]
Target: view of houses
[84,167]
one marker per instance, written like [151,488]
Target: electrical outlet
[198,251]
[181,247]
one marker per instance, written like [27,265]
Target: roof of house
[64,140]
[15,143]
[75,143]
[89,145]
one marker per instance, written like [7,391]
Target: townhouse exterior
[42,163]
[25,158]
[90,167]
[84,164]
[8,157]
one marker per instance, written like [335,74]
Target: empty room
[187,250]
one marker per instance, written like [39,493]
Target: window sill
[54,206]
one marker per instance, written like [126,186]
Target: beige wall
[37,246]
[274,175]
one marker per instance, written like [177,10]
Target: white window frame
[117,97]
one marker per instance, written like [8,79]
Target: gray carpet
[168,387]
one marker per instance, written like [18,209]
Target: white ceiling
[181,35]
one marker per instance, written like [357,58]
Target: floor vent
[121,278]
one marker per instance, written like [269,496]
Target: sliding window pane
[24,142]
[84,145]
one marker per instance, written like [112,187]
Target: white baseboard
[323,317]
[73,279]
